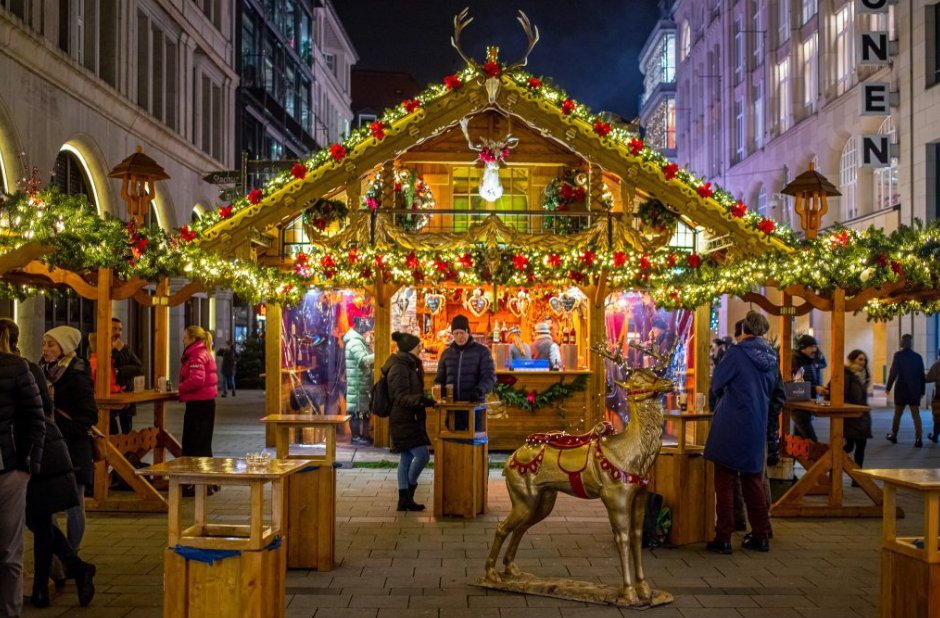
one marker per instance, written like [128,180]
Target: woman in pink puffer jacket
[198,387]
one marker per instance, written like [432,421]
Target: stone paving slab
[398,565]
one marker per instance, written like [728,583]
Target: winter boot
[405,503]
[354,429]
[411,494]
[935,436]
[84,574]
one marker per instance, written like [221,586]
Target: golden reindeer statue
[601,464]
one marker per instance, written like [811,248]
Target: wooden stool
[910,566]
[311,492]
[686,480]
[249,562]
[461,460]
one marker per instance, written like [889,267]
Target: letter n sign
[872,49]
[876,150]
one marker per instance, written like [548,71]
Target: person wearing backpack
[403,374]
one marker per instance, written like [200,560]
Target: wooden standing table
[155,438]
[311,492]
[461,460]
[910,566]
[248,579]
[833,463]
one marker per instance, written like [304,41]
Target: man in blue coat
[744,381]
[907,371]
[465,371]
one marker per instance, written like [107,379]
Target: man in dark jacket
[466,371]
[127,367]
[810,359]
[229,362]
[745,382]
[907,371]
[22,431]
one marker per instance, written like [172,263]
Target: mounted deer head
[492,153]
[462,20]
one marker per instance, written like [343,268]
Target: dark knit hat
[406,341]
[806,341]
[460,322]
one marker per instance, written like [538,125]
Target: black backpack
[381,405]
[657,521]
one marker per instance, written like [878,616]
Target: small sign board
[269,167]
[223,177]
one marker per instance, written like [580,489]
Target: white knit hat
[542,328]
[67,337]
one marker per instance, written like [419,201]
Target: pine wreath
[655,215]
[323,212]
[533,400]
[563,194]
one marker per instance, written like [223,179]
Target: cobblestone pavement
[407,565]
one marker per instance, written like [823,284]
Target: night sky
[591,47]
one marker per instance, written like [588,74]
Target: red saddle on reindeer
[563,441]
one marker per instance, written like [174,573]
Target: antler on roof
[532,33]
[461,21]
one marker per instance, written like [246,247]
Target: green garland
[531,401]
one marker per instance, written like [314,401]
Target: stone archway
[84,148]
[10,148]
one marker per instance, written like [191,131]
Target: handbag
[98,446]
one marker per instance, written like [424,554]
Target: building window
[686,41]
[671,124]
[758,33]
[762,201]
[515,197]
[660,66]
[810,74]
[330,60]
[809,9]
[887,193]
[740,132]
[739,50]
[848,177]
[70,178]
[845,48]
[783,21]
[759,116]
[783,95]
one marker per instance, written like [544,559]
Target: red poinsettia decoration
[411,105]
[254,196]
[635,145]
[337,152]
[301,260]
[186,234]
[417,275]
[644,262]
[353,256]
[140,245]
[378,130]
[299,171]
[670,171]
[530,396]
[576,276]
[767,226]
[839,240]
[225,212]
[534,83]
[553,260]
[411,260]
[694,260]
[671,260]
[328,261]
[491,68]
[706,190]
[520,262]
[620,258]
[897,267]
[587,257]
[567,106]
[380,261]
[452,82]
[365,273]
[465,260]
[602,128]
[738,210]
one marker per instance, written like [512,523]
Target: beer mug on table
[436,393]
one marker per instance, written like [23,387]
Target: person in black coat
[907,371]
[407,421]
[51,491]
[466,371]
[126,367]
[856,383]
[22,431]
[76,412]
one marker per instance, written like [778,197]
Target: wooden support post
[161,352]
[702,360]
[837,360]
[272,365]
[382,302]
[596,333]
[103,376]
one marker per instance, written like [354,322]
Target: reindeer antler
[663,360]
[532,33]
[461,21]
[463,126]
[615,357]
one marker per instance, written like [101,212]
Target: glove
[478,394]
[428,402]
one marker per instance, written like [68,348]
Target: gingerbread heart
[519,306]
[477,305]
[434,303]
[555,304]
[569,303]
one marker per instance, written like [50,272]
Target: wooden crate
[687,484]
[311,518]
[249,585]
[910,587]
[461,472]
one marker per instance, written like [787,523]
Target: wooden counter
[509,427]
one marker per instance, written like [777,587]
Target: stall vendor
[545,346]
[465,371]
[519,349]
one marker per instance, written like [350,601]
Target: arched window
[886,178]
[69,176]
[762,201]
[848,178]
[686,36]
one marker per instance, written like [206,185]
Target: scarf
[53,370]
[861,374]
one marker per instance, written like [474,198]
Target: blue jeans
[411,464]
[228,383]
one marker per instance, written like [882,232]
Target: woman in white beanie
[76,412]
[545,347]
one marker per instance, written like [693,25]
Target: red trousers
[754,499]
